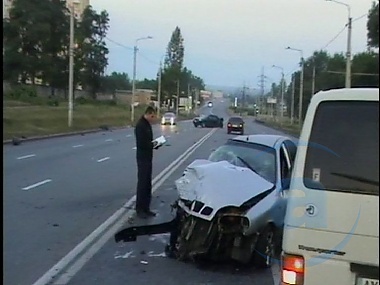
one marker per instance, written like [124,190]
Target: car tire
[264,251]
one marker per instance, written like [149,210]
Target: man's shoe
[150,213]
[141,214]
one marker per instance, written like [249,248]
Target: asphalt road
[57,191]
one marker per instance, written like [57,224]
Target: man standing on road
[144,157]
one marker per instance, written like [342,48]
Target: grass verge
[28,121]
[286,126]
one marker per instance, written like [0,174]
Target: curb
[10,141]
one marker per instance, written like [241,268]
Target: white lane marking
[78,145]
[103,159]
[36,184]
[276,273]
[109,140]
[107,229]
[127,136]
[26,156]
[134,147]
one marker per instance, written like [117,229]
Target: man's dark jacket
[144,138]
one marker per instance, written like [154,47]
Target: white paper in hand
[160,141]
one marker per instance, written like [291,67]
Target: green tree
[116,81]
[23,37]
[55,48]
[173,63]
[92,50]
[373,26]
[366,63]
[147,84]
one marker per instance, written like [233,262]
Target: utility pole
[244,96]
[177,101]
[159,90]
[133,85]
[301,85]
[301,93]
[196,101]
[282,96]
[262,88]
[135,49]
[71,66]
[348,53]
[189,104]
[348,61]
[313,82]
[292,103]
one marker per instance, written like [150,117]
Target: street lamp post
[71,63]
[348,53]
[282,91]
[135,49]
[292,103]
[159,88]
[301,85]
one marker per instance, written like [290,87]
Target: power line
[119,44]
[358,18]
[131,48]
[330,42]
[148,59]
[334,38]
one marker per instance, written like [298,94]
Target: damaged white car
[231,206]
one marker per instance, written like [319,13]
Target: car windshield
[261,159]
[235,120]
[169,115]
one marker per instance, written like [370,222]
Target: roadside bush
[22,93]
[53,102]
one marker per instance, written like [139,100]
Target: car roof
[267,140]
[235,117]
[169,113]
[367,94]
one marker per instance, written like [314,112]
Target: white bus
[331,233]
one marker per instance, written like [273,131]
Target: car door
[284,175]
[212,120]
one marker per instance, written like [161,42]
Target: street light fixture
[301,85]
[282,91]
[348,53]
[135,49]
[71,62]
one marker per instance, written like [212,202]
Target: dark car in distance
[235,125]
[209,121]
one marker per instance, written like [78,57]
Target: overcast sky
[227,42]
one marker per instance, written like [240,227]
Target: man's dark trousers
[144,158]
[144,185]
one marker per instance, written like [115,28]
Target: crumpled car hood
[220,184]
